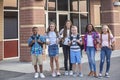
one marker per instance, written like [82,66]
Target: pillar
[32,14]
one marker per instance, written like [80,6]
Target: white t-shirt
[52,37]
[67,38]
[90,41]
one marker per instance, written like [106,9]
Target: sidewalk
[25,68]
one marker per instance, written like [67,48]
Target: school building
[17,17]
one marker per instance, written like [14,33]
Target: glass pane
[62,5]
[62,20]
[75,19]
[83,5]
[84,22]
[74,5]
[10,4]
[52,17]
[51,5]
[10,25]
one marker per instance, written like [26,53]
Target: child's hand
[69,43]
[33,41]
[39,41]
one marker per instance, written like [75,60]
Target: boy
[35,42]
[75,51]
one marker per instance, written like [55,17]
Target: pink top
[105,41]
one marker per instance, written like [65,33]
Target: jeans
[91,58]
[105,53]
[66,52]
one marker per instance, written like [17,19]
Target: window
[52,5]
[10,25]
[62,5]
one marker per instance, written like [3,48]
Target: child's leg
[41,68]
[35,68]
[57,63]
[74,67]
[52,64]
[80,67]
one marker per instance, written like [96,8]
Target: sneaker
[70,73]
[36,75]
[80,75]
[107,75]
[100,75]
[74,74]
[42,75]
[66,73]
[53,74]
[58,73]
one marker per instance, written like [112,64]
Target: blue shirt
[36,48]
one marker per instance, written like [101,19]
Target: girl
[52,41]
[66,48]
[106,40]
[90,41]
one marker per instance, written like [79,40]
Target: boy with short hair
[75,51]
[35,42]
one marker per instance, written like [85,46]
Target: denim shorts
[53,50]
[75,56]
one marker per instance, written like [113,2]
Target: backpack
[81,46]
[33,38]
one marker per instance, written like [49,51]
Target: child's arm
[30,42]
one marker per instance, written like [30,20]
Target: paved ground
[15,70]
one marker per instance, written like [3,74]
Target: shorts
[37,59]
[75,56]
[53,50]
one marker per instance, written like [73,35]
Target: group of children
[71,42]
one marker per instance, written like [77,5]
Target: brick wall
[110,15]
[31,14]
[1,29]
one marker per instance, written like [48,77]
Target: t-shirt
[90,41]
[105,39]
[52,37]
[67,38]
[74,45]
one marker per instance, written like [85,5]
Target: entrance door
[61,20]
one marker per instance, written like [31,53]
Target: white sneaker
[53,74]
[58,73]
[36,75]
[80,75]
[70,73]
[100,75]
[42,75]
[107,75]
[66,73]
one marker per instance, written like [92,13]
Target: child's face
[104,30]
[68,24]
[35,31]
[74,30]
[52,27]
[89,28]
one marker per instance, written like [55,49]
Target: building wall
[31,14]
[1,30]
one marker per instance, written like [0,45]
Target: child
[75,51]
[35,42]
[90,42]
[52,41]
[66,48]
[106,40]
